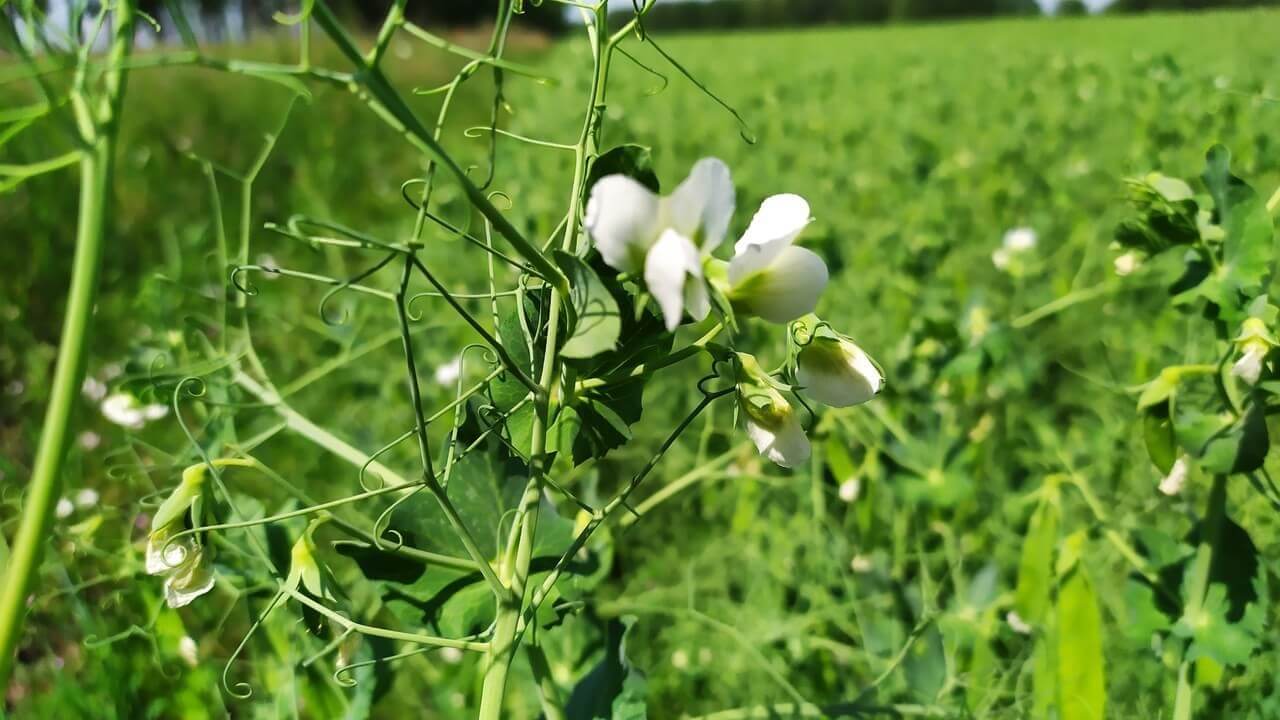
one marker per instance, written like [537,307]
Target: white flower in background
[665,238]
[94,389]
[90,440]
[1127,263]
[64,508]
[861,564]
[771,421]
[834,371]
[188,650]
[125,410]
[86,498]
[680,659]
[850,490]
[769,277]
[1254,343]
[1017,624]
[451,655]
[15,388]
[1173,483]
[448,373]
[1016,242]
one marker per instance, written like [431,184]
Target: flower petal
[774,227]
[701,206]
[786,289]
[622,217]
[785,445]
[668,263]
[182,587]
[837,374]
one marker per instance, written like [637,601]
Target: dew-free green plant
[469,552]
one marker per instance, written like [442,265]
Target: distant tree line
[778,13]
[1172,5]
[782,13]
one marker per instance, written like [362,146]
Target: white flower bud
[771,421]
[1173,483]
[448,373]
[64,508]
[1254,343]
[834,371]
[1127,263]
[188,650]
[1017,624]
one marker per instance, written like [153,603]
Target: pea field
[369,417]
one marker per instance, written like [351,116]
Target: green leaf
[597,320]
[1248,245]
[483,486]
[1081,669]
[1035,570]
[1216,638]
[634,161]
[380,565]
[615,688]
[1160,438]
[1231,622]
[1240,447]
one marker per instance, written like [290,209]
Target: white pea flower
[1125,264]
[1015,242]
[771,421]
[93,388]
[1017,624]
[1173,483]
[86,498]
[1249,367]
[1254,343]
[448,373]
[124,410]
[769,277]
[834,371]
[850,490]
[1020,239]
[188,650]
[451,655]
[665,238]
[90,440]
[181,561]
[64,508]
[680,659]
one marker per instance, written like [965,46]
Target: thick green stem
[91,224]
[1198,587]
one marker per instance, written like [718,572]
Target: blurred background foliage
[918,148]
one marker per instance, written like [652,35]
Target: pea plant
[1204,598]
[570,332]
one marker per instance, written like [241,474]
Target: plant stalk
[1210,535]
[96,167]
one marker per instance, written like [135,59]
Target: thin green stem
[96,168]
[1198,587]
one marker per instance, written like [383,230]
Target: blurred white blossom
[448,373]
[93,388]
[64,508]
